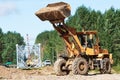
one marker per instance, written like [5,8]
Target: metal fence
[28,56]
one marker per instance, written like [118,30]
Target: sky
[19,15]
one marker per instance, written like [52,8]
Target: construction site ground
[47,73]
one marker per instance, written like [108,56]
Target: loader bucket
[55,11]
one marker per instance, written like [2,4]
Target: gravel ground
[68,77]
[47,73]
[78,77]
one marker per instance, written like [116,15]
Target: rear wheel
[106,66]
[80,66]
[59,67]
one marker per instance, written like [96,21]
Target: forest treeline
[106,23]
[8,43]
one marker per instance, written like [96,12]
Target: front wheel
[59,67]
[80,66]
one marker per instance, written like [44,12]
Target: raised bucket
[55,11]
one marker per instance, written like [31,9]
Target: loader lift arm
[67,32]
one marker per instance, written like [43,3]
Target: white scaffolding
[28,56]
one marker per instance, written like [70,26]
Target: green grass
[117,68]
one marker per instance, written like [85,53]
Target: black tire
[59,67]
[106,66]
[80,66]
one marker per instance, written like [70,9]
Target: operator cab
[89,39]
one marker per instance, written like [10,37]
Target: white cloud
[7,8]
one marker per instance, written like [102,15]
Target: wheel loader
[84,52]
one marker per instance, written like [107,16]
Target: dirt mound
[14,73]
[6,72]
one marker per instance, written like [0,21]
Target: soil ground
[47,73]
